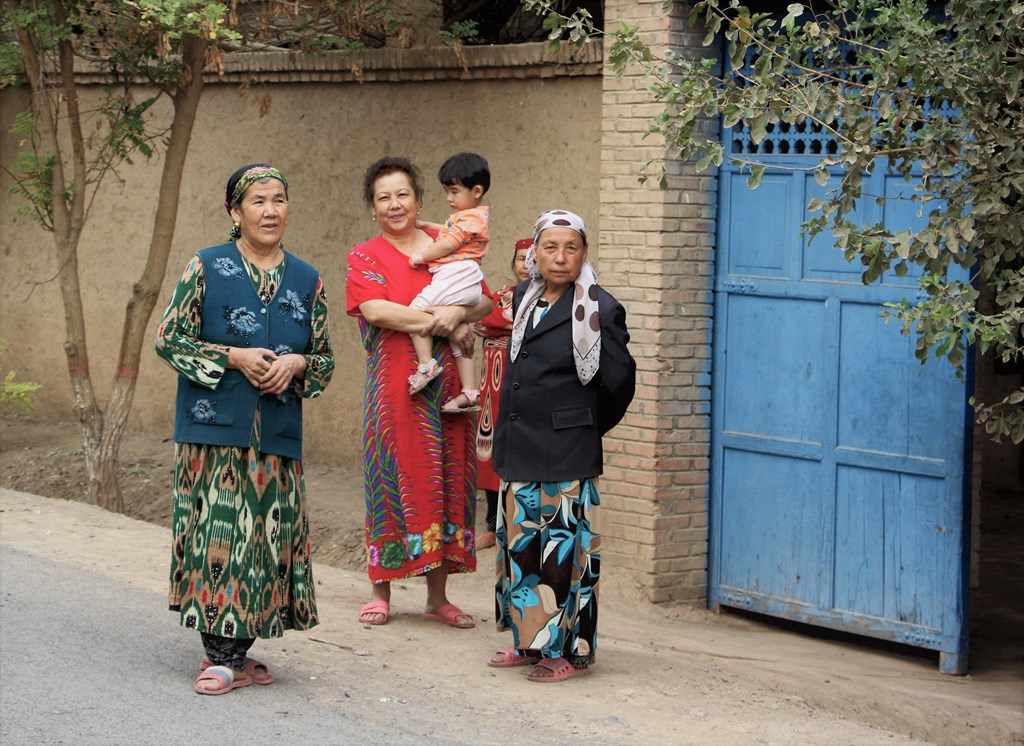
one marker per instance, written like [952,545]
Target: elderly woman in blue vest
[247,333]
[568,381]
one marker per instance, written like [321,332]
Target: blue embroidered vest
[234,315]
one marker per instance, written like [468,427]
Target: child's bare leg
[469,399]
[467,375]
[424,347]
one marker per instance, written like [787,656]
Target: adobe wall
[556,133]
[534,115]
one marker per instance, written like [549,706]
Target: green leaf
[793,11]
[756,174]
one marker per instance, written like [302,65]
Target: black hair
[467,169]
[390,164]
[233,180]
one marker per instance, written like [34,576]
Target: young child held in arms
[454,261]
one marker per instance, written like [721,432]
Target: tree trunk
[68,216]
[103,477]
[101,464]
[102,430]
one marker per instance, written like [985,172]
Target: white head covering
[586,324]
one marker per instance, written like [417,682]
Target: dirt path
[664,676]
[46,459]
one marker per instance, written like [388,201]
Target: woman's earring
[236,231]
[373,217]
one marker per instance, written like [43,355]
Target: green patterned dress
[240,564]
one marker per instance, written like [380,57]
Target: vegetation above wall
[912,86]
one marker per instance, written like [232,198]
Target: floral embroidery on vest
[296,306]
[241,321]
[227,267]
[203,411]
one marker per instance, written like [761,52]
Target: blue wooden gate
[839,466]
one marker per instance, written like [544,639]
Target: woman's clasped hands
[266,370]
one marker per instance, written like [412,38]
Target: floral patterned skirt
[549,564]
[240,564]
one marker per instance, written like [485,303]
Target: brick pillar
[656,257]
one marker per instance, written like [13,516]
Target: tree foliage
[507,21]
[926,90]
[143,51]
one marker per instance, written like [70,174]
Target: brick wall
[656,258]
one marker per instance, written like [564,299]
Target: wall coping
[392,64]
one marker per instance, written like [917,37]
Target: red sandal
[510,658]
[555,669]
[473,405]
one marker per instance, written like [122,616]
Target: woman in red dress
[495,328]
[419,466]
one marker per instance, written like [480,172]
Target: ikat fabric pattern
[240,562]
[240,559]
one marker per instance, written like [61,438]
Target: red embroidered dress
[419,466]
[496,329]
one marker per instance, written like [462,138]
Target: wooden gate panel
[768,224]
[776,346]
[838,461]
[889,547]
[775,553]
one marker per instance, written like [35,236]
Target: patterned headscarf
[523,244]
[244,178]
[586,325]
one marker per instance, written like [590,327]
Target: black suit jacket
[549,424]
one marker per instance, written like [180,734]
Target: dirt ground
[45,458]
[807,688]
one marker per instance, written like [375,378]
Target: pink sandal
[425,373]
[369,613]
[485,540]
[555,669]
[225,678]
[449,614]
[254,669]
[472,397]
[510,658]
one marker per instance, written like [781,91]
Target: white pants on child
[452,284]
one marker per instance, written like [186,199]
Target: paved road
[129,669]
[89,655]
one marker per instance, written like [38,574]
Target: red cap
[523,244]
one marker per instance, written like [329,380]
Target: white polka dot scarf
[586,323]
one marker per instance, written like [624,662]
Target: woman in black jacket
[569,380]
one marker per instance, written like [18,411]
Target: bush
[22,394]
